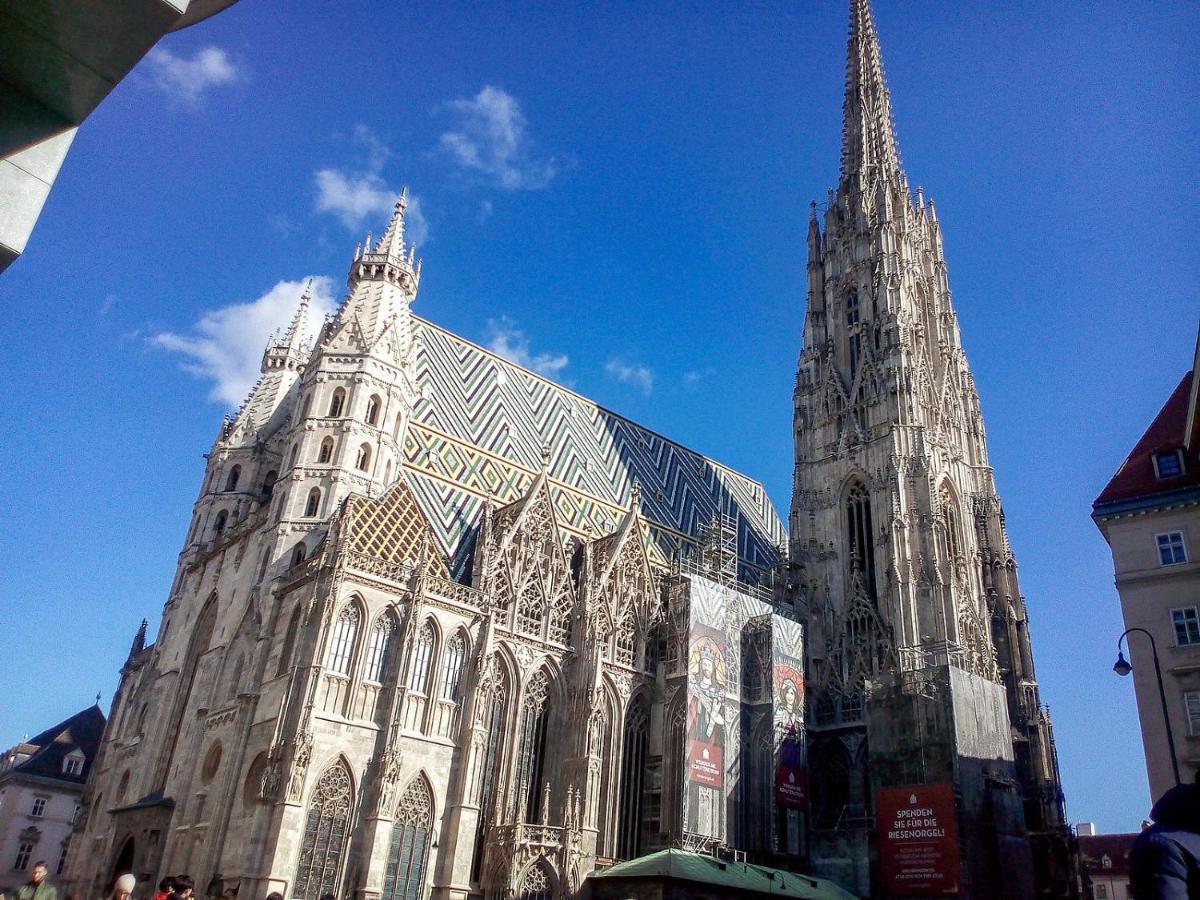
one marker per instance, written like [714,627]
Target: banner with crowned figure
[788,687]
[706,721]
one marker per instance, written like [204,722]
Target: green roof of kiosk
[686,866]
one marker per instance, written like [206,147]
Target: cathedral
[443,628]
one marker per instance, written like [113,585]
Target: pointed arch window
[493,703]
[325,454]
[219,525]
[531,609]
[345,634]
[531,748]
[420,660]
[408,851]
[859,535]
[325,832]
[452,663]
[373,407]
[289,642]
[235,475]
[536,885]
[633,766]
[337,403]
[625,639]
[313,505]
[268,486]
[363,461]
[559,626]
[379,650]
[298,554]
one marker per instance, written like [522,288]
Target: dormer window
[73,764]
[1168,464]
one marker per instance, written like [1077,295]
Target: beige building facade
[1150,515]
[41,794]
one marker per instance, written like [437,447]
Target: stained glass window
[408,853]
[325,833]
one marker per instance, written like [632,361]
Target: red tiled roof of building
[1093,848]
[1136,477]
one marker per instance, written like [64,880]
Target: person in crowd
[274,895]
[165,888]
[184,886]
[123,887]
[1164,863]
[37,887]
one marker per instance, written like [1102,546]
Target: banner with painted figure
[787,651]
[706,722]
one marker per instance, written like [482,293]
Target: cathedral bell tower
[356,392]
[919,660]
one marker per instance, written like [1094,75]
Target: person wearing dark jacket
[1164,863]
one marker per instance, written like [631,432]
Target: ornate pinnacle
[868,136]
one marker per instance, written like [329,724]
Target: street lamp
[1123,667]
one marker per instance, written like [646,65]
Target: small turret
[391,259]
[291,350]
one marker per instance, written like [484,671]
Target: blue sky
[617,196]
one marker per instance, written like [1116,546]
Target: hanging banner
[706,706]
[788,687]
[918,840]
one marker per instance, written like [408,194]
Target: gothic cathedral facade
[442,628]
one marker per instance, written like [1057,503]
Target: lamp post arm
[1162,695]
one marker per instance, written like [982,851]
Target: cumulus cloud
[491,138]
[226,344]
[361,195]
[507,340]
[631,373]
[189,78]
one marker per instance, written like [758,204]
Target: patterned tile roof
[480,428]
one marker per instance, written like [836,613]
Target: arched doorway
[123,862]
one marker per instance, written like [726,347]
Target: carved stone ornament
[301,756]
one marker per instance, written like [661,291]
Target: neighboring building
[921,671]
[440,625]
[1104,859]
[58,60]
[41,788]
[1150,515]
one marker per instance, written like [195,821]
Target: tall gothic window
[420,660]
[373,409]
[633,766]
[859,535]
[559,629]
[363,461]
[493,705]
[325,454]
[219,525]
[950,520]
[337,403]
[232,482]
[313,505]
[854,338]
[345,634]
[625,638]
[379,649]
[452,663]
[325,833]
[531,746]
[536,885]
[268,486]
[289,642]
[408,851]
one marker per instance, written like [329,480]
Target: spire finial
[868,136]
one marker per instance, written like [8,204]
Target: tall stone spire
[868,135]
[383,283]
[896,533]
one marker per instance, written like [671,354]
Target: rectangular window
[1187,625]
[1191,702]
[1170,548]
[72,765]
[24,851]
[1168,465]
[39,807]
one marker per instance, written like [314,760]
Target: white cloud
[510,342]
[227,343]
[187,78]
[352,198]
[491,139]
[631,373]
